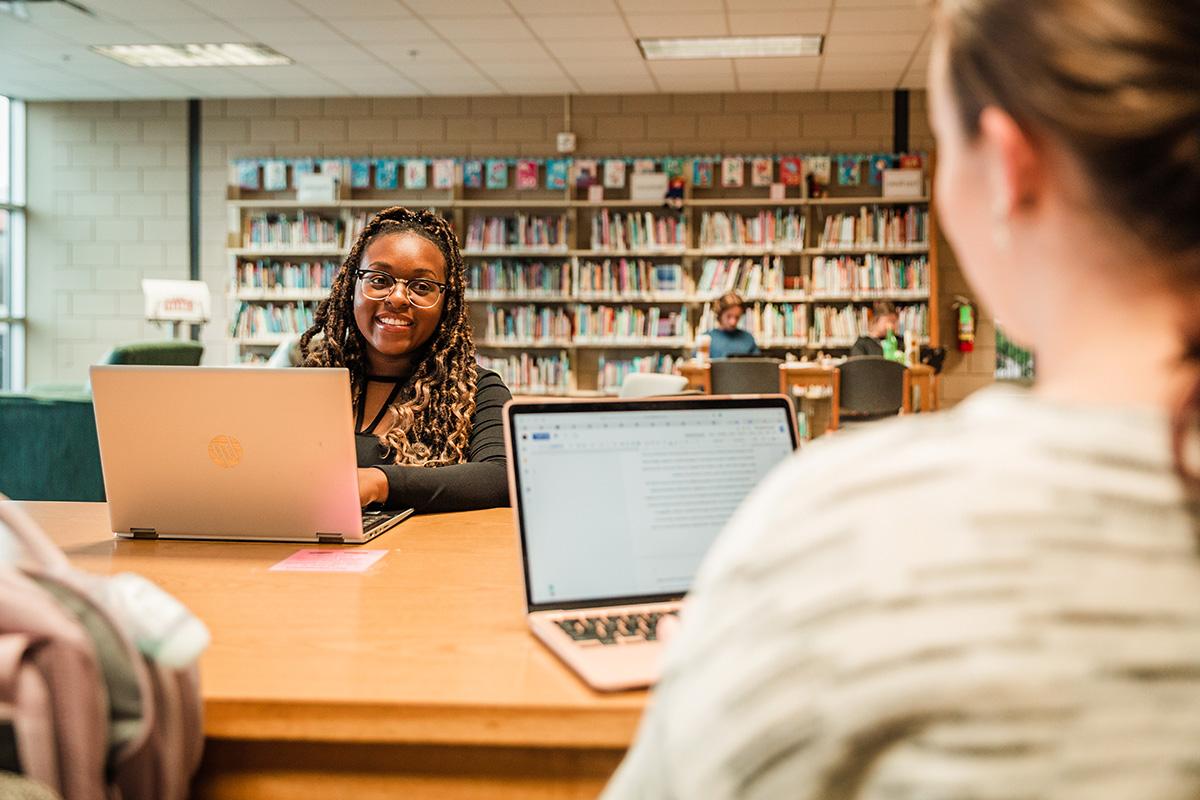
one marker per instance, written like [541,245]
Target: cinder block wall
[108,183]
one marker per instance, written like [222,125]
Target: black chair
[872,387]
[745,375]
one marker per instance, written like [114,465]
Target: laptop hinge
[330,538]
[144,533]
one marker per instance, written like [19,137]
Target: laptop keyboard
[373,519]
[614,629]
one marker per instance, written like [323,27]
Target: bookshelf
[568,295]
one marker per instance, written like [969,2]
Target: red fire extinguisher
[966,324]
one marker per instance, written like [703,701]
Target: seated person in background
[884,322]
[429,426]
[727,339]
[1029,626]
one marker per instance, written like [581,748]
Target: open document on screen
[625,503]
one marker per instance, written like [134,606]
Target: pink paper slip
[314,560]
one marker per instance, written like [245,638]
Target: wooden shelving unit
[590,358]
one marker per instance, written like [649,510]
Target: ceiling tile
[678,25]
[658,6]
[88,33]
[285,30]
[565,31]
[237,10]
[777,66]
[404,53]
[777,23]
[596,68]
[866,44]
[480,29]
[684,83]
[384,29]
[459,8]
[537,8]
[716,68]
[856,81]
[777,83]
[538,85]
[518,69]
[522,50]
[880,20]
[866,62]
[354,9]
[737,6]
[184,32]
[459,86]
[615,85]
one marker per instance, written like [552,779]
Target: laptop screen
[621,504]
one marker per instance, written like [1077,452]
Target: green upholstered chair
[171,352]
[48,447]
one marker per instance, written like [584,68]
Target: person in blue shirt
[727,339]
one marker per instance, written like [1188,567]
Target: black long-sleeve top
[481,482]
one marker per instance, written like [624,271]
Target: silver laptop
[617,502]
[232,453]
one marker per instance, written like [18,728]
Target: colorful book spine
[877,226]
[606,324]
[769,323]
[519,232]
[639,230]
[750,278]
[778,230]
[527,324]
[529,373]
[518,278]
[253,321]
[283,230]
[618,278]
[272,275]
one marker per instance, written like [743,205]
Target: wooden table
[415,679]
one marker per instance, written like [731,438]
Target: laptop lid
[617,501]
[232,453]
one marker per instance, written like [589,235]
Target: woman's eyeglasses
[421,292]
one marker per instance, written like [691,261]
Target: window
[12,244]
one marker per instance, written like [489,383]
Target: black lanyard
[362,406]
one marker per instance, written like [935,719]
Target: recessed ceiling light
[731,47]
[193,55]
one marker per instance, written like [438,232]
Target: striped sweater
[1018,617]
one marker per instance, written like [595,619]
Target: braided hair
[429,424]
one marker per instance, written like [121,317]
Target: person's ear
[1014,170]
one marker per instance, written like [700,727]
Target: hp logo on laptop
[225,451]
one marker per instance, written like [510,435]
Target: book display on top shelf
[569,293]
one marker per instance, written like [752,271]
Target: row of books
[870,275]
[532,374]
[275,275]
[612,372]
[766,321]
[605,323]
[522,231]
[780,229]
[519,277]
[305,228]
[527,323]
[747,277]
[843,324]
[877,226]
[359,221]
[253,320]
[639,230]
[623,277]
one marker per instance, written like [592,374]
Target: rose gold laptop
[617,502]
[231,453]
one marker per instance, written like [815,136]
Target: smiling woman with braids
[429,425]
